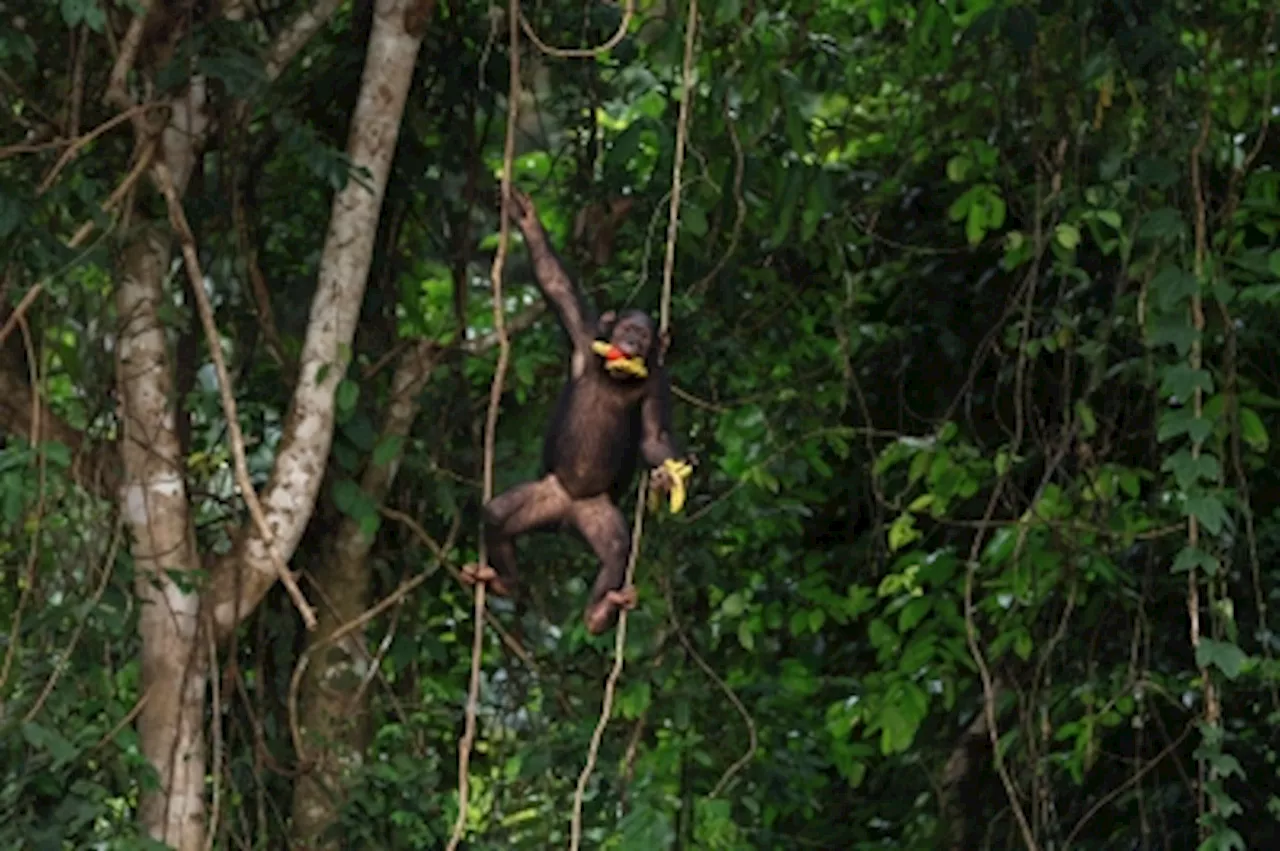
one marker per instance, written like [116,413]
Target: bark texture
[152,489]
[153,498]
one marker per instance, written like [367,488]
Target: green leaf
[1163,224]
[693,220]
[912,613]
[1252,431]
[1192,558]
[975,226]
[958,168]
[877,13]
[645,827]
[1068,236]
[1181,381]
[1223,655]
[960,207]
[1112,218]
[1172,329]
[921,502]
[49,740]
[902,532]
[790,198]
[347,496]
[1001,545]
[1172,286]
[626,146]
[348,394]
[1022,644]
[1189,471]
[734,605]
[387,449]
[1181,421]
[1159,173]
[1209,510]
[1088,422]
[1238,110]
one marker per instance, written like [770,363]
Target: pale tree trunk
[153,498]
[154,501]
[152,492]
[333,709]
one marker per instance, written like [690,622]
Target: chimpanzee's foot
[623,598]
[473,573]
[600,616]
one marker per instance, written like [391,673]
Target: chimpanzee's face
[633,334]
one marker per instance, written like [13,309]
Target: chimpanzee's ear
[604,325]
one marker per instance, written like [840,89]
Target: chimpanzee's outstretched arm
[656,444]
[553,280]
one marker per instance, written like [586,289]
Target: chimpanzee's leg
[605,529]
[523,508]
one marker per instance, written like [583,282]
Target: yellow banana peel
[616,361]
[679,471]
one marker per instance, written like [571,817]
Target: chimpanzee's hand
[670,478]
[522,211]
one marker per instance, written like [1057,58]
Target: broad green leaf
[347,496]
[912,613]
[1180,421]
[1088,422]
[1022,645]
[734,605]
[958,168]
[1001,545]
[387,449]
[1068,236]
[1209,510]
[1192,558]
[921,502]
[1162,224]
[1252,431]
[1189,471]
[1223,655]
[1172,286]
[1181,381]
[903,531]
[348,394]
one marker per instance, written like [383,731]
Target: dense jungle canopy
[970,314]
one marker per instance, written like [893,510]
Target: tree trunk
[153,498]
[152,490]
[957,778]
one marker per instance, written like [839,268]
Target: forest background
[972,320]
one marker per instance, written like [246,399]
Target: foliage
[972,321]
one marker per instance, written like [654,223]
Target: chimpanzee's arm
[553,280]
[656,444]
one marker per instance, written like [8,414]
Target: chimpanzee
[616,400]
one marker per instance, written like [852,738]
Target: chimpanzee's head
[631,334]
